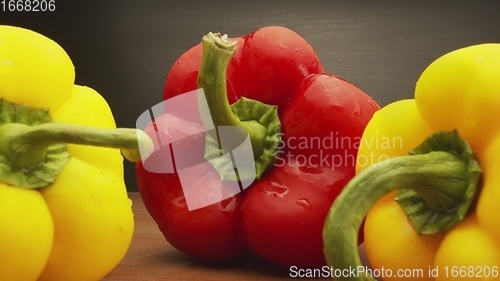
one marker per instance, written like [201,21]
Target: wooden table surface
[150,257]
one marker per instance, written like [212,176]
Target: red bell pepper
[280,216]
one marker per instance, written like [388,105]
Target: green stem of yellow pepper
[25,145]
[437,182]
[32,155]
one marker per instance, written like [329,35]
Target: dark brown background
[124,48]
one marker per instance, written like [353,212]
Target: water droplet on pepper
[304,203]
[277,190]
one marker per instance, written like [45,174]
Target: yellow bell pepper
[456,95]
[65,210]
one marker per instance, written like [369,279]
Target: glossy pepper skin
[280,216]
[459,91]
[80,226]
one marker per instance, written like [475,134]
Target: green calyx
[442,199]
[37,168]
[33,147]
[260,121]
[437,185]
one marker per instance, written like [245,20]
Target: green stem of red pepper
[217,53]
[261,121]
[437,185]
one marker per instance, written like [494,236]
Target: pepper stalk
[437,185]
[259,120]
[33,148]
